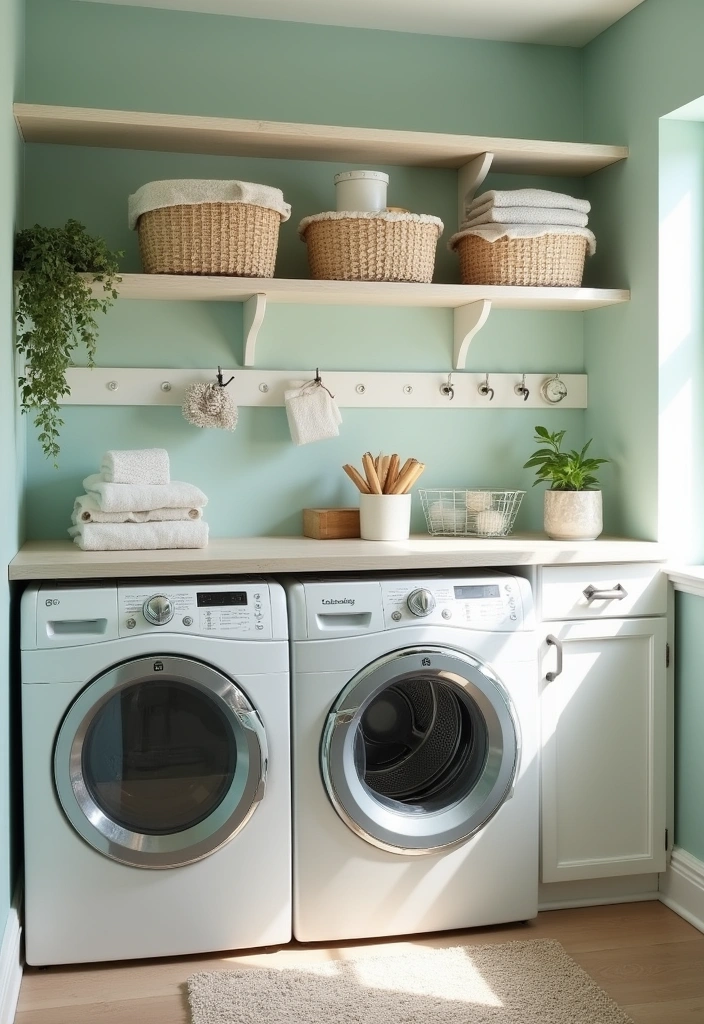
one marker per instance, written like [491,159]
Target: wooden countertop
[61,559]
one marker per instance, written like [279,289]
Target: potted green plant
[573,505]
[55,312]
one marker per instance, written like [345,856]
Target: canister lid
[371,175]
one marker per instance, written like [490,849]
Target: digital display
[222,600]
[490,590]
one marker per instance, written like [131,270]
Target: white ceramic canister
[361,191]
[384,516]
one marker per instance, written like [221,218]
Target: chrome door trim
[177,848]
[374,819]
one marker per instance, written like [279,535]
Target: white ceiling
[560,22]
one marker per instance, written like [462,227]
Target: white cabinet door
[603,720]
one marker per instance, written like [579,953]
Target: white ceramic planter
[361,191]
[384,516]
[573,515]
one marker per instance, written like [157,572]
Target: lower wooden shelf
[61,559]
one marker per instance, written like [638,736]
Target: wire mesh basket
[479,512]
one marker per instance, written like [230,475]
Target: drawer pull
[617,594]
[554,642]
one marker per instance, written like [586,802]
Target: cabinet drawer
[639,589]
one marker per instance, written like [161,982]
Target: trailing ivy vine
[55,312]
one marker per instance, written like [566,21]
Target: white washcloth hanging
[136,466]
[312,413]
[87,510]
[139,536]
[493,232]
[537,197]
[489,214]
[143,497]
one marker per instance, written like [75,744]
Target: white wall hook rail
[353,389]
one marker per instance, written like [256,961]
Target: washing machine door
[420,750]
[160,761]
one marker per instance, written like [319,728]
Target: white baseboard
[682,887]
[594,892]
[10,966]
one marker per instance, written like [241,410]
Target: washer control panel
[486,602]
[229,610]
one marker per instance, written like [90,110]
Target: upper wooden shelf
[363,293]
[185,133]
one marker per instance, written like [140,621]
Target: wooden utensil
[391,474]
[369,469]
[357,478]
[404,476]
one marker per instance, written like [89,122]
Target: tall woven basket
[555,261]
[238,239]
[371,247]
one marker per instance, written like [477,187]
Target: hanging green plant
[55,312]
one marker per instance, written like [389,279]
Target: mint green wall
[256,479]
[689,721]
[11,457]
[645,66]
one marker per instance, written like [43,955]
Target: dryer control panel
[228,610]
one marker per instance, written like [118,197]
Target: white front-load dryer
[415,754]
[156,728]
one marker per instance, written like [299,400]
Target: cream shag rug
[533,982]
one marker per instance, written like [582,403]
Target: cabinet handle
[554,642]
[617,594]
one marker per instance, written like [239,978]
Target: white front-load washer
[415,754]
[156,728]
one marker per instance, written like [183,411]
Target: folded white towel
[312,414]
[87,510]
[191,191]
[143,497]
[537,197]
[139,536]
[136,466]
[489,214]
[493,232]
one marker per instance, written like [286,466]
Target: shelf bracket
[253,310]
[469,320]
[470,177]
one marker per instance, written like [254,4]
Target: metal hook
[447,389]
[521,389]
[485,390]
[318,382]
[221,383]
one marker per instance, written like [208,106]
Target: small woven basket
[236,239]
[550,261]
[387,247]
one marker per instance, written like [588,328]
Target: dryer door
[160,761]
[420,750]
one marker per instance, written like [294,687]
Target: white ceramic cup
[384,516]
[361,191]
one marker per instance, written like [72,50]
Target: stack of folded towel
[526,213]
[133,503]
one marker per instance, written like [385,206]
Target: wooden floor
[646,957]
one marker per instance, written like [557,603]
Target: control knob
[158,610]
[420,602]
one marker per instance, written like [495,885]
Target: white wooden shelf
[185,133]
[61,559]
[353,389]
[471,303]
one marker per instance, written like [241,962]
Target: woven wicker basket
[555,261]
[238,239]
[387,247]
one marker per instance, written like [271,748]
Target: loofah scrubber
[209,405]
